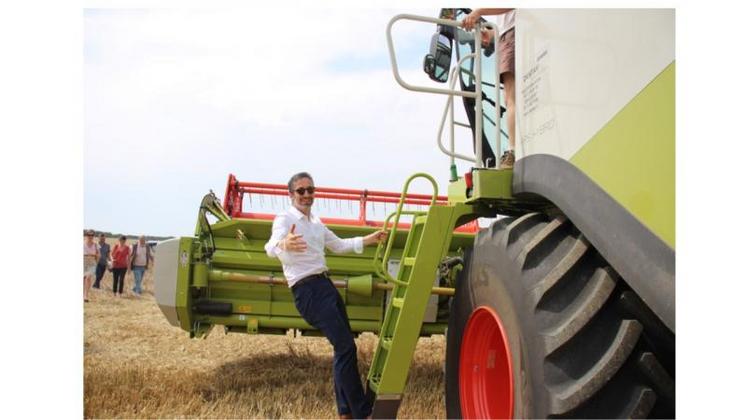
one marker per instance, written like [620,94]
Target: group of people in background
[98,257]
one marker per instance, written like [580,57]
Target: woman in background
[90,258]
[120,260]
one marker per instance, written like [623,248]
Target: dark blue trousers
[100,270]
[321,305]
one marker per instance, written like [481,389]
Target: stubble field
[136,365]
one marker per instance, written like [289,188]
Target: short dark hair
[122,238]
[296,177]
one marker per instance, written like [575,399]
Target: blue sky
[175,100]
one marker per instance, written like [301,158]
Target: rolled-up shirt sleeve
[279,230]
[339,246]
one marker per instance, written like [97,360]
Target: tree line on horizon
[134,237]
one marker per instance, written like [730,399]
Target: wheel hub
[485,372]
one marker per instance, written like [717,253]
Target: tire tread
[569,396]
[586,305]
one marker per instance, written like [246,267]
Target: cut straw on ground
[136,365]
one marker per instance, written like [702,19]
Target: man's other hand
[487,36]
[293,242]
[375,238]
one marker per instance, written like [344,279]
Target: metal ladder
[426,245]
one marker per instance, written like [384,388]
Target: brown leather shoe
[507,160]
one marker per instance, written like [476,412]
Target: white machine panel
[577,68]
[164,277]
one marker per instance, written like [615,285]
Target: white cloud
[183,97]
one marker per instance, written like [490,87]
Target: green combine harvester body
[565,305]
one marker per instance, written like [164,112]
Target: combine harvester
[565,307]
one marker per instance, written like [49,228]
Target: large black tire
[582,344]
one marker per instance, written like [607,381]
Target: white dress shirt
[297,265]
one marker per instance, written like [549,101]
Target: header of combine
[223,276]
[237,191]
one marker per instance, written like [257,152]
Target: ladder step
[408,261]
[420,220]
[374,383]
[386,343]
[398,302]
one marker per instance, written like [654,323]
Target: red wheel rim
[486,380]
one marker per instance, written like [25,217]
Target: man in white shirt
[298,240]
[506,36]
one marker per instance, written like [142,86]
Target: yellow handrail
[381,269]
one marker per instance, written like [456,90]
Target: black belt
[309,278]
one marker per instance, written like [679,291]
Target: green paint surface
[492,184]
[633,156]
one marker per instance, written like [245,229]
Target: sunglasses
[302,190]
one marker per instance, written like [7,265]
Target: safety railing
[451,92]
